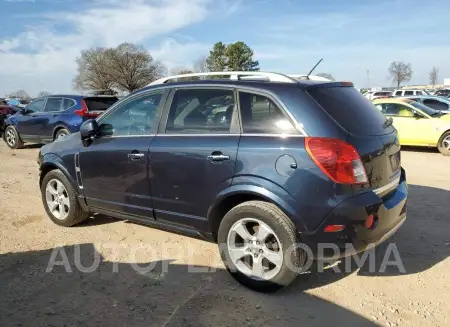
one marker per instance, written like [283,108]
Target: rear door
[193,156]
[369,131]
[115,167]
[50,116]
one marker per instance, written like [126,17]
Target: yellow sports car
[417,124]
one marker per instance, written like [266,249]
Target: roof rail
[271,77]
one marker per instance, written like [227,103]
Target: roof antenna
[307,76]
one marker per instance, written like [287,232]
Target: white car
[410,92]
[372,95]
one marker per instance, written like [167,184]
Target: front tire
[444,144]
[12,138]
[60,200]
[258,245]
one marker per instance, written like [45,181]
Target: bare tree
[21,94]
[326,75]
[127,67]
[43,94]
[434,75]
[132,67]
[200,65]
[400,72]
[93,70]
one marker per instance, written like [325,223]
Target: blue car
[289,166]
[49,118]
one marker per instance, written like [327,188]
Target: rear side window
[351,110]
[99,103]
[260,115]
[409,92]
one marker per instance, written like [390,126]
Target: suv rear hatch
[96,105]
[370,132]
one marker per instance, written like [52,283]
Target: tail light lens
[337,159]
[84,111]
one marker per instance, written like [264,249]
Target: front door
[193,157]
[29,124]
[114,168]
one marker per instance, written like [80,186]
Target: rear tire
[247,259]
[61,133]
[444,144]
[60,200]
[12,138]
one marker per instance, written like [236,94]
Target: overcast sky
[40,39]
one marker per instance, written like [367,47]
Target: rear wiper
[388,122]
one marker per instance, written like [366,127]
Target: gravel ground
[119,294]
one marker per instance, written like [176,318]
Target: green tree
[217,59]
[232,57]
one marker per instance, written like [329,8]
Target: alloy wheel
[446,142]
[255,249]
[57,199]
[10,137]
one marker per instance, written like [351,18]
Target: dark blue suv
[268,170]
[49,118]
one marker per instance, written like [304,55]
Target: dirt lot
[116,294]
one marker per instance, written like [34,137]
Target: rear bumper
[389,212]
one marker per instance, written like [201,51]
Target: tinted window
[351,110]
[53,104]
[409,92]
[435,104]
[68,103]
[398,93]
[429,111]
[99,103]
[134,117]
[201,111]
[36,105]
[261,115]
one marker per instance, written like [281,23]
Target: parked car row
[49,118]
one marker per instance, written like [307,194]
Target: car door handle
[135,155]
[218,157]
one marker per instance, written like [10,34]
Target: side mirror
[88,129]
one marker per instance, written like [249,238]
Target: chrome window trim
[207,134]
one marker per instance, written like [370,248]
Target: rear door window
[351,110]
[99,103]
[261,115]
[53,105]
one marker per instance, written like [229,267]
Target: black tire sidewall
[70,220]
[285,276]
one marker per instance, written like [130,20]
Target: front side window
[404,111]
[134,117]
[53,104]
[36,105]
[398,93]
[260,115]
[201,111]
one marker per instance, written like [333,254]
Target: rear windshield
[351,110]
[99,103]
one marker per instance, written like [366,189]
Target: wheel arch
[237,194]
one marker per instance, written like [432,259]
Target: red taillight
[337,159]
[333,228]
[84,111]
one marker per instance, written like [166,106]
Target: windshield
[429,111]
